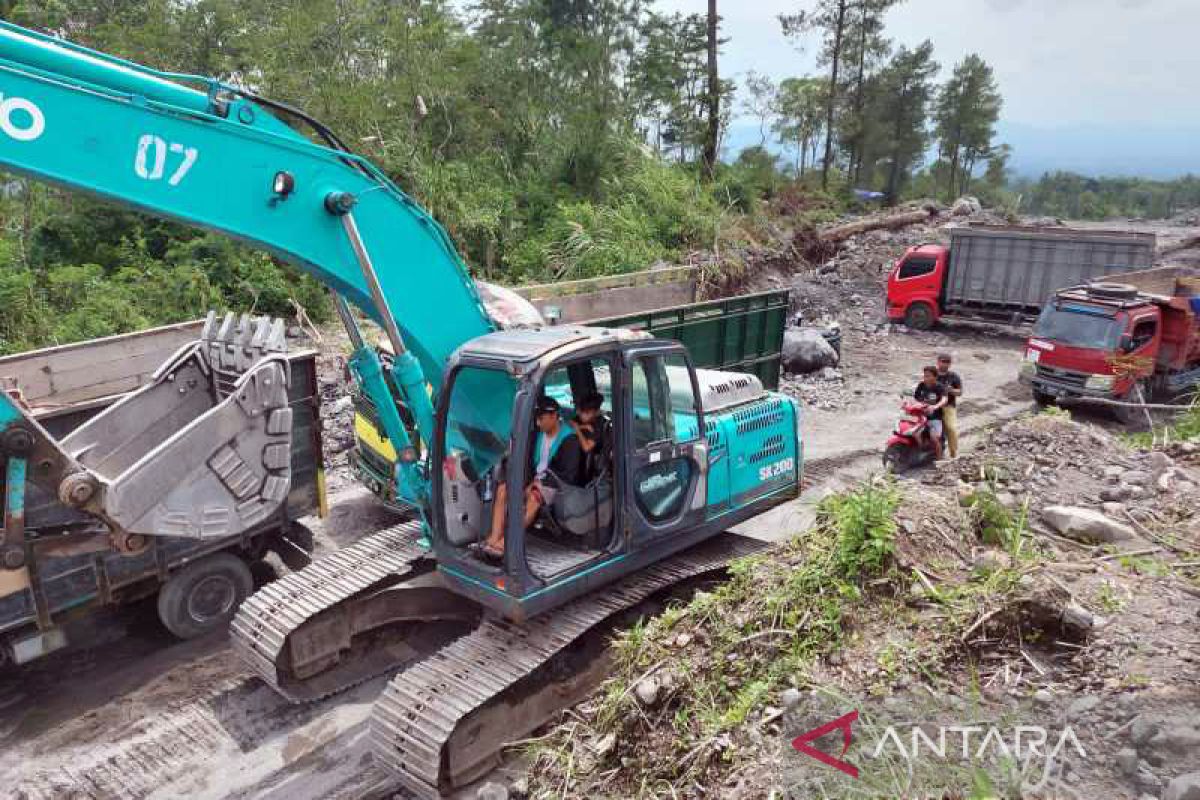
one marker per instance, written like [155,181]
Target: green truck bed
[735,334]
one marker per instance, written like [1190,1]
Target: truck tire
[203,596]
[1112,291]
[1134,418]
[919,316]
[1042,399]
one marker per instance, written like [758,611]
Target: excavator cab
[642,497]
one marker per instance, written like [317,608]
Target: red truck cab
[1105,340]
[914,286]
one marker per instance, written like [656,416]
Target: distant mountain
[1147,151]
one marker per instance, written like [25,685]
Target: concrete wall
[615,295]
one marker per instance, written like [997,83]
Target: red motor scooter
[910,445]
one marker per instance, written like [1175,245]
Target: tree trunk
[856,153]
[832,100]
[713,100]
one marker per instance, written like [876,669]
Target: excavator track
[443,721]
[267,622]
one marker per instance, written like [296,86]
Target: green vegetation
[553,140]
[86,270]
[995,524]
[1184,428]
[1072,196]
[736,647]
[869,121]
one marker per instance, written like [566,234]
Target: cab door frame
[652,467]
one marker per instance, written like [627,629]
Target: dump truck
[70,572]
[733,334]
[1005,273]
[1137,340]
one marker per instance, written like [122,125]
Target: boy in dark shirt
[933,395]
[593,430]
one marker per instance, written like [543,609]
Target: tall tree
[831,17]
[798,120]
[965,115]
[760,101]
[904,89]
[714,93]
[866,48]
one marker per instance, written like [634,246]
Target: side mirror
[1126,343]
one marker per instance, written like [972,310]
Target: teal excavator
[479,647]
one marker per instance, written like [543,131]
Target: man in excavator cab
[557,460]
[594,430]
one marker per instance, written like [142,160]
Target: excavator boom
[194,150]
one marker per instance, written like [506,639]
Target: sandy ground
[138,715]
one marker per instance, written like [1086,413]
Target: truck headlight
[1100,383]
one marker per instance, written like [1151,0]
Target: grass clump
[1185,428]
[718,662]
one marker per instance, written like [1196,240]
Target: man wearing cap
[556,456]
[952,384]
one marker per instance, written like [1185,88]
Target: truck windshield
[1077,328]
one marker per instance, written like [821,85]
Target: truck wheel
[1042,399]
[203,596]
[919,316]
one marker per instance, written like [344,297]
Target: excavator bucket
[203,450]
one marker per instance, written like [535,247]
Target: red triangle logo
[843,723]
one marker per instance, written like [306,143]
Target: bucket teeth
[233,344]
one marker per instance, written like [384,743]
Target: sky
[1103,86]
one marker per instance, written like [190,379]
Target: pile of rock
[824,389]
[1081,482]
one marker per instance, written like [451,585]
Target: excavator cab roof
[526,345]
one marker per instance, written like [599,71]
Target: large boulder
[1184,787]
[1085,524]
[965,206]
[806,350]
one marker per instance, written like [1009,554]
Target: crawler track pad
[443,721]
[349,616]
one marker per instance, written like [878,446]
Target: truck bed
[65,387]
[1016,269]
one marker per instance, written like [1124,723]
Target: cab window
[916,266]
[664,401]
[1143,333]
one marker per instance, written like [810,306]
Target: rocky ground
[1013,598]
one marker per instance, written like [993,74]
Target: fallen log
[819,245]
[839,233]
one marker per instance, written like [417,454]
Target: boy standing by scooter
[953,386]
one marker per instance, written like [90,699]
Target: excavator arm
[194,150]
